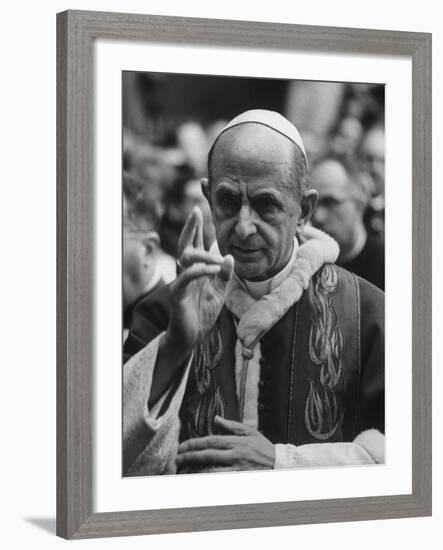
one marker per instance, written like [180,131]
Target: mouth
[245,253]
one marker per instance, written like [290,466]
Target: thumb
[227,268]
[230,426]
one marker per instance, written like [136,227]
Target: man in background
[342,201]
[146,267]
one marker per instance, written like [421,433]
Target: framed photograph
[244,274]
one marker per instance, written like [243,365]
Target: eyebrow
[227,187]
[267,195]
[224,185]
[222,189]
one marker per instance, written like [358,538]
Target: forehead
[253,152]
[131,235]
[329,178]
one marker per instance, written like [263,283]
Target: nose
[245,225]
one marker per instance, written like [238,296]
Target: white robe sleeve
[149,442]
[367,448]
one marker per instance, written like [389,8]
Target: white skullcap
[272,120]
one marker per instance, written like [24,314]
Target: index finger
[207,442]
[233,427]
[198,236]
[187,234]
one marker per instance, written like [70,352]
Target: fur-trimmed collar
[256,317]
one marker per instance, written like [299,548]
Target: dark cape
[128,312]
[370,262]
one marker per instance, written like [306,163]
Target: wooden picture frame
[76,32]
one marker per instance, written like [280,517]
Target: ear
[151,242]
[206,190]
[307,207]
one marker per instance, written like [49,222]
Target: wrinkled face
[337,212]
[253,199]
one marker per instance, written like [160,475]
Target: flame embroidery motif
[322,412]
[201,422]
[206,358]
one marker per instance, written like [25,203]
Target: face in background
[139,255]
[337,211]
[254,198]
[372,156]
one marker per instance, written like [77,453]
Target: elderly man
[342,201]
[261,354]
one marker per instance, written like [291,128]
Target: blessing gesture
[197,297]
[199,290]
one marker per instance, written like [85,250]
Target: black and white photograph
[252,273]
[221,299]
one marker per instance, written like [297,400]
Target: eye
[329,202]
[266,207]
[228,202]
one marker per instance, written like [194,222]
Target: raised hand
[198,292]
[197,297]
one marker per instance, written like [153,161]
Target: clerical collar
[258,289]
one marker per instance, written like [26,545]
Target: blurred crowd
[165,156]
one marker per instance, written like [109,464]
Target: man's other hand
[238,448]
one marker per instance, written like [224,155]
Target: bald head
[341,202]
[330,174]
[261,149]
[332,177]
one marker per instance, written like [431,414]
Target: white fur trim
[258,316]
[373,442]
[367,448]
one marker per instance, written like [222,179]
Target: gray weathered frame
[76,32]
